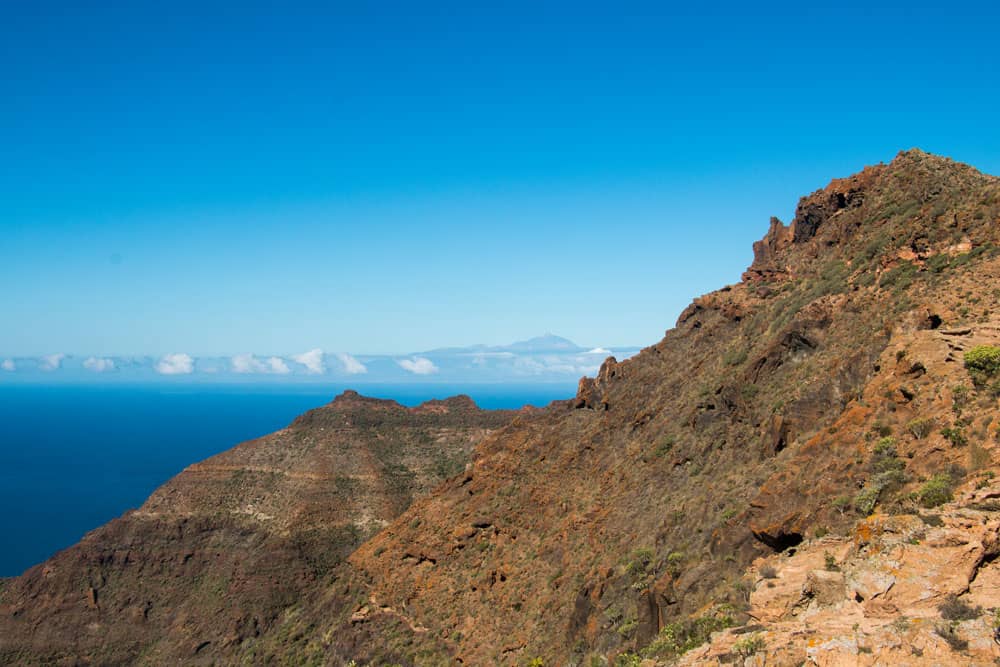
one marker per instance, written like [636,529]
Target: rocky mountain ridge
[214,557]
[824,399]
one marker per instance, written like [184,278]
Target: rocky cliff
[215,558]
[826,404]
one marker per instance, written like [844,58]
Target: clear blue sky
[389,177]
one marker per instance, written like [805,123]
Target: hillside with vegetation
[803,470]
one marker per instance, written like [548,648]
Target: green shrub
[888,468]
[627,627]
[885,447]
[955,435]
[938,263]
[664,446]
[682,636]
[920,428]
[881,429]
[639,563]
[830,562]
[899,277]
[935,491]
[735,356]
[749,645]
[983,359]
[628,660]
[983,364]
[959,397]
[867,498]
[674,562]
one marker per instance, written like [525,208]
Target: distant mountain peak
[545,343]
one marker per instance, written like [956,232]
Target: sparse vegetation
[888,473]
[639,561]
[935,491]
[664,446]
[626,629]
[978,457]
[953,609]
[674,562]
[735,356]
[830,562]
[628,659]
[901,624]
[899,277]
[866,499]
[955,436]
[566,500]
[948,633]
[749,645]
[920,428]
[682,636]
[983,363]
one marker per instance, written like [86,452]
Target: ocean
[73,457]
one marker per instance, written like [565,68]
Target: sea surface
[73,457]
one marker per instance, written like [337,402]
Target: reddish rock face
[214,558]
[826,386]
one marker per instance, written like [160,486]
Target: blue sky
[386,178]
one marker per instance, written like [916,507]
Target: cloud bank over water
[351,365]
[51,362]
[543,359]
[418,366]
[248,363]
[99,365]
[312,360]
[175,364]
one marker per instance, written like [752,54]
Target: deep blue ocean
[74,457]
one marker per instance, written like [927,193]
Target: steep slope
[589,529]
[784,416]
[214,556]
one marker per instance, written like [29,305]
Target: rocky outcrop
[907,589]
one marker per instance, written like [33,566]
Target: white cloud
[99,365]
[278,366]
[8,365]
[51,362]
[552,364]
[312,360]
[247,363]
[351,365]
[418,365]
[599,350]
[175,364]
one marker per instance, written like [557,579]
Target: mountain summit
[802,469]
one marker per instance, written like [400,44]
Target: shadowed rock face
[588,528]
